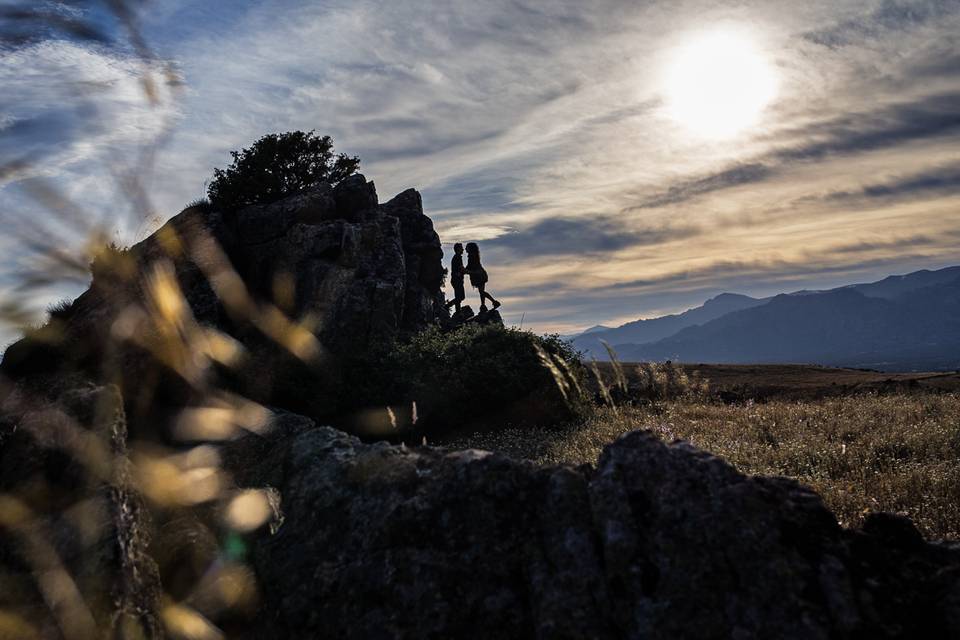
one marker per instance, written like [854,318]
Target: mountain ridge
[652,329]
[904,322]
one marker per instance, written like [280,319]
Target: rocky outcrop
[659,541]
[327,272]
[366,271]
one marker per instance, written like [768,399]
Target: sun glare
[718,84]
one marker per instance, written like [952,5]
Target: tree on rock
[278,165]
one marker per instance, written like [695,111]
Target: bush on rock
[276,166]
[473,377]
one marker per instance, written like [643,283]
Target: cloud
[898,244]
[890,15]
[65,102]
[936,116]
[557,304]
[940,63]
[726,179]
[928,117]
[748,275]
[539,128]
[932,183]
[489,189]
[582,236]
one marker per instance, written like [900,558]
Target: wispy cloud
[725,179]
[889,16]
[932,183]
[585,235]
[931,116]
[541,129]
[66,102]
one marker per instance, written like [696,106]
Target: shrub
[475,376]
[278,165]
[649,382]
[669,381]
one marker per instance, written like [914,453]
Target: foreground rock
[377,540]
[74,543]
[658,542]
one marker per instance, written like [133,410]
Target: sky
[614,159]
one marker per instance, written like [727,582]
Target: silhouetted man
[456,277]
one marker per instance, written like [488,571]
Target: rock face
[329,264]
[368,272]
[660,541]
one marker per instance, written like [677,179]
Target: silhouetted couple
[478,276]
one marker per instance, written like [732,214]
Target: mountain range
[901,323]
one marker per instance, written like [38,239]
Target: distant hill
[594,329]
[643,331]
[900,323]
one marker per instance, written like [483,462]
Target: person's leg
[483,295]
[458,296]
[493,300]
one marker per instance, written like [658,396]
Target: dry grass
[898,453]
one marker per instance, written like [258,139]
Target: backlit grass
[898,453]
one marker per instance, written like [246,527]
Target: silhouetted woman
[478,275]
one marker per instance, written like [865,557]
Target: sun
[718,84]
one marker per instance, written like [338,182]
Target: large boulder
[659,541]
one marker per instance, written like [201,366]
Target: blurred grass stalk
[64,248]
